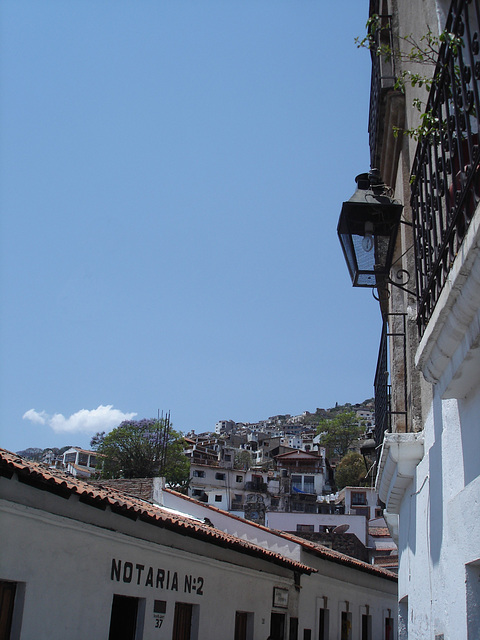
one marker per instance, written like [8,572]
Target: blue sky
[172,173]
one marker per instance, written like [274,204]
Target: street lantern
[367,229]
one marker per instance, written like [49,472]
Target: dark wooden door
[241,625]
[277,626]
[182,622]
[7,598]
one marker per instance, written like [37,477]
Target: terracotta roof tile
[379,531]
[56,481]
[386,561]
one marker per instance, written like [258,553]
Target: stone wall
[139,487]
[346,543]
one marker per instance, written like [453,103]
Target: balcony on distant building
[253,485]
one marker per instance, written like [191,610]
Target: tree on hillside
[351,472]
[143,449]
[243,459]
[32,453]
[339,433]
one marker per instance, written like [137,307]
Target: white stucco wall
[69,559]
[326,590]
[439,532]
[66,567]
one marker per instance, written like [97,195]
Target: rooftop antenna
[165,428]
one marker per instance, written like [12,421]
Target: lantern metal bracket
[386,292]
[401,274]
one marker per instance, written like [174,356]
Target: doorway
[7,599]
[123,619]
[182,621]
[277,626]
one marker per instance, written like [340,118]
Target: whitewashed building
[130,568]
[345,600]
[80,462]
[224,426]
[224,487]
[80,561]
[359,501]
[412,232]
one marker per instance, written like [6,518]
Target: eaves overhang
[400,455]
[40,477]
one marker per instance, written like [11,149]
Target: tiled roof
[386,561]
[296,453]
[41,477]
[379,532]
[79,467]
[318,549]
[92,453]
[341,558]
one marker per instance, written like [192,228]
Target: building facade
[80,560]
[427,383]
[86,560]
[359,501]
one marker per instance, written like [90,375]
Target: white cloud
[38,417]
[103,418]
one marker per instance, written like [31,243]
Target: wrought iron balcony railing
[388,405]
[382,389]
[446,168]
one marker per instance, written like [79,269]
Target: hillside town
[261,508]
[274,473]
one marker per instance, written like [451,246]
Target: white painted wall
[67,569]
[231,524]
[326,590]
[439,531]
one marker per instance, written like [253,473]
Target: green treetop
[351,471]
[143,449]
[339,433]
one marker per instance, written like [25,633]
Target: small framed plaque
[280,597]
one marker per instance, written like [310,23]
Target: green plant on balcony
[407,50]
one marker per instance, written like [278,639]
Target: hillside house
[80,463]
[301,480]
[227,488]
[360,501]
